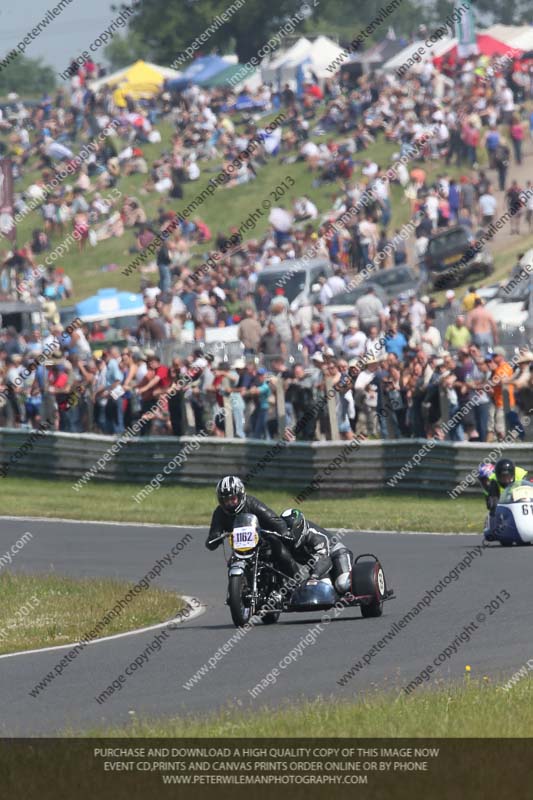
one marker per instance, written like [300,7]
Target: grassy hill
[225,208]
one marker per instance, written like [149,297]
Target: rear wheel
[368,578]
[239,600]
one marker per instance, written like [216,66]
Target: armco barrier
[372,465]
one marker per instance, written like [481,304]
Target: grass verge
[475,708]
[47,610]
[184,505]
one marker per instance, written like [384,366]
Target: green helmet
[296,523]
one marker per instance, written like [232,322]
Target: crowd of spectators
[395,369]
[392,375]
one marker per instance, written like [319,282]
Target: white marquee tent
[322,54]
[283,67]
[404,55]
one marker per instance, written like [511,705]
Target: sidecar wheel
[368,578]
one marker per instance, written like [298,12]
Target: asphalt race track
[412,564]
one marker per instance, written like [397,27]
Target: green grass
[225,208]
[475,708]
[194,506]
[47,610]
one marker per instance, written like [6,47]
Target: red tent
[487,46]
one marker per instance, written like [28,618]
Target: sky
[67,35]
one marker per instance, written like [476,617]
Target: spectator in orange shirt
[501,375]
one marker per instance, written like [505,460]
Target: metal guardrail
[295,466]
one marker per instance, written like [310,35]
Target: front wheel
[270,617]
[239,600]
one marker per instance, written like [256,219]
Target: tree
[168,27]
[123,50]
[26,76]
[505,12]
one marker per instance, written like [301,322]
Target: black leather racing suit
[314,550]
[222,521]
[323,560]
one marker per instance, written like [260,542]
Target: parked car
[450,257]
[342,305]
[296,277]
[510,305]
[397,280]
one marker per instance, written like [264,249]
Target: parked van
[296,277]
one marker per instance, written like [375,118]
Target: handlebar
[285,536]
[221,537]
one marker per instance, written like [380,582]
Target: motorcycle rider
[233,500]
[310,545]
[494,482]
[505,473]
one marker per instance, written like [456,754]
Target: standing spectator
[501,376]
[491,141]
[455,426]
[353,340]
[487,207]
[501,161]
[261,392]
[396,341]
[514,206]
[468,195]
[470,298]
[475,376]
[250,332]
[164,261]
[315,341]
[482,326]
[457,334]
[368,237]
[299,394]
[517,137]
[428,337]
[176,399]
[369,309]
[271,344]
[236,396]
[114,413]
[454,200]
[153,385]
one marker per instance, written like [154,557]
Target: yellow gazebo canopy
[139,80]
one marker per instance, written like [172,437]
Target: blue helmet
[485,471]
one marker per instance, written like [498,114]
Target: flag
[465,29]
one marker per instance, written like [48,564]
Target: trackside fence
[328,468]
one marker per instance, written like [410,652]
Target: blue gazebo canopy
[109,303]
[202,69]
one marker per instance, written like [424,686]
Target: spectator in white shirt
[428,337]
[417,312]
[353,340]
[487,207]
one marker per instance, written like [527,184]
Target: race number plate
[245,538]
[522,493]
